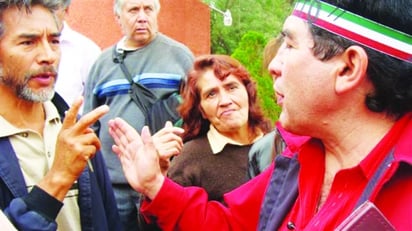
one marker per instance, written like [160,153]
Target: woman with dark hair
[222,119]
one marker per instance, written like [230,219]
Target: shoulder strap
[142,96]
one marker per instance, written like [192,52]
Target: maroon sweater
[216,173]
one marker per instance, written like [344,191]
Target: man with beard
[50,172]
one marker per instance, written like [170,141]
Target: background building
[187,21]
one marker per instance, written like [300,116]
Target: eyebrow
[204,92]
[231,82]
[31,36]
[287,34]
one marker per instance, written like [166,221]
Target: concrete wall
[187,21]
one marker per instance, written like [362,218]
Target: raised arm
[76,144]
[137,153]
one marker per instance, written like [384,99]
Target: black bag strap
[142,96]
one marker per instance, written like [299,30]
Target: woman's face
[225,103]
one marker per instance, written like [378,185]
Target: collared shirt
[348,184]
[35,153]
[245,203]
[218,141]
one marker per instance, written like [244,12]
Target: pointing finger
[71,114]
[90,118]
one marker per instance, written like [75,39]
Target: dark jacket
[37,210]
[263,152]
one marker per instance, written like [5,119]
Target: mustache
[48,69]
[7,76]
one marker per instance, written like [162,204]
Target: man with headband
[343,76]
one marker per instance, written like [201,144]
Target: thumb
[168,124]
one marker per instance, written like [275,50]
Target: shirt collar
[397,138]
[52,115]
[218,141]
[121,45]
[8,129]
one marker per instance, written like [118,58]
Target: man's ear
[351,69]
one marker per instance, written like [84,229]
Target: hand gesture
[138,156]
[168,143]
[76,144]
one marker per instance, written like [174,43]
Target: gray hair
[118,4]
[65,3]
[26,5]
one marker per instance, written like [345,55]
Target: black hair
[391,77]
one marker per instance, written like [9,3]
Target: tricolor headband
[356,28]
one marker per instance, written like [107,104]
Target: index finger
[90,118]
[71,115]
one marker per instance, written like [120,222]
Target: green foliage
[264,16]
[254,23]
[249,53]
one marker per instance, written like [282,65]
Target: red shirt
[188,209]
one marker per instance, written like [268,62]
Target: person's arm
[188,208]
[177,207]
[76,144]
[35,211]
[137,152]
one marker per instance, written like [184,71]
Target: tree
[264,16]
[249,53]
[254,23]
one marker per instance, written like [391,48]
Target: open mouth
[279,98]
[44,78]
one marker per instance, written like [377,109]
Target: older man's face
[138,19]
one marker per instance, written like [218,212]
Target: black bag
[157,110]
[163,110]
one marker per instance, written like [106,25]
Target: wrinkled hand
[168,143]
[138,156]
[76,144]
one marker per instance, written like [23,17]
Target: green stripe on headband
[356,28]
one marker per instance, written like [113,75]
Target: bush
[249,53]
